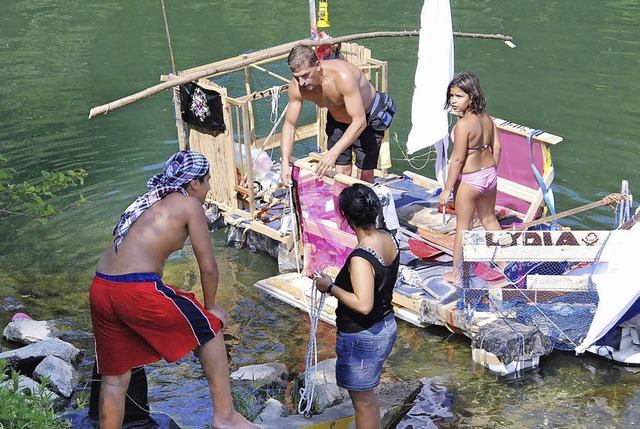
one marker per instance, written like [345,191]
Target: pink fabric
[482,180]
[515,165]
[326,237]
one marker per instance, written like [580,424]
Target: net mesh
[539,278]
[268,109]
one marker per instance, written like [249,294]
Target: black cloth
[201,107]
[348,320]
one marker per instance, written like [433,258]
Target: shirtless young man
[472,175]
[357,114]
[136,318]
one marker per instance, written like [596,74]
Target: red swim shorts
[137,320]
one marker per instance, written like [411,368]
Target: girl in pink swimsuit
[472,176]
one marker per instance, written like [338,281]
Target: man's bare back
[164,322]
[161,230]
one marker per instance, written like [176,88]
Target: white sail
[434,71]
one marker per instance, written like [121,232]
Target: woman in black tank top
[364,289]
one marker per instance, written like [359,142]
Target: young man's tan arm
[201,242]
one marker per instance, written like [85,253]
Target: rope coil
[311,360]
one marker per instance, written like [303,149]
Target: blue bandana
[180,169]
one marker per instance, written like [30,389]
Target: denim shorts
[361,355]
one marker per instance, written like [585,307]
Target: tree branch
[263,55]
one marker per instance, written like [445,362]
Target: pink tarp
[326,237]
[515,165]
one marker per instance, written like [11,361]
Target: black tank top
[348,320]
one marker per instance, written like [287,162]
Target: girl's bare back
[478,131]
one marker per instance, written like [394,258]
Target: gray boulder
[326,391]
[26,358]
[268,373]
[63,378]
[273,409]
[34,388]
[28,331]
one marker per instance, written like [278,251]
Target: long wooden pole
[264,55]
[182,135]
[606,201]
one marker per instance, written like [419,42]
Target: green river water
[574,73]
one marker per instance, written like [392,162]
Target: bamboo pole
[182,135]
[263,55]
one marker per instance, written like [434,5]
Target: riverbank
[268,394]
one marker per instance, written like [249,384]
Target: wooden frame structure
[232,153]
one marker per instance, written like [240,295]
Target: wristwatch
[329,288]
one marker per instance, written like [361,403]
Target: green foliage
[247,401]
[250,398]
[34,200]
[24,409]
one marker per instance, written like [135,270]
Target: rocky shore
[268,391]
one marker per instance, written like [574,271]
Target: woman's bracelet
[329,288]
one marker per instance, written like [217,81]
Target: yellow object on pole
[323,14]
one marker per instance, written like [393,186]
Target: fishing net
[260,123]
[539,278]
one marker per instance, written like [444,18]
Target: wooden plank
[558,283]
[406,302]
[423,181]
[539,198]
[306,164]
[517,190]
[286,287]
[441,240]
[525,131]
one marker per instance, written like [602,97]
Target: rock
[10,305]
[35,389]
[392,396]
[63,378]
[273,409]
[27,331]
[268,373]
[326,390]
[26,358]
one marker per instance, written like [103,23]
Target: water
[573,74]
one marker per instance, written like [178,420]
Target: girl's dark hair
[360,206]
[470,84]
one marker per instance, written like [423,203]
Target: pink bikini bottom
[482,180]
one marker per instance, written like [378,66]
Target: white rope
[275,97]
[311,360]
